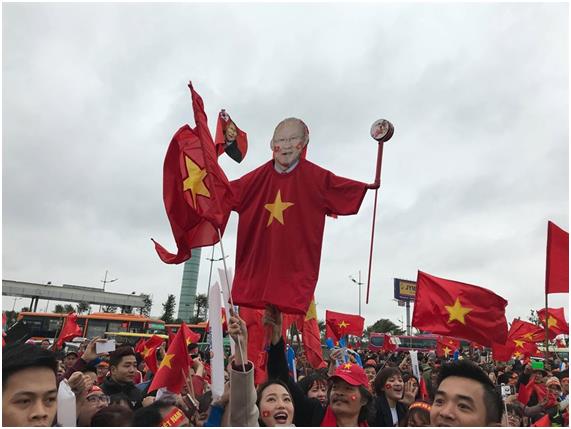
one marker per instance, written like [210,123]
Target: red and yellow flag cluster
[446,346]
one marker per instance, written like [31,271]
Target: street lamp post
[105,281]
[359,283]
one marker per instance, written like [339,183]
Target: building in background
[188,286]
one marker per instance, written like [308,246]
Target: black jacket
[111,387]
[383,416]
[307,411]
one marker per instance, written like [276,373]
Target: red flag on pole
[190,336]
[312,338]
[557,265]
[522,330]
[459,309]
[556,323]
[388,344]
[173,365]
[196,192]
[69,330]
[257,341]
[149,352]
[337,325]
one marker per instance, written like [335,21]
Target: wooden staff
[381,130]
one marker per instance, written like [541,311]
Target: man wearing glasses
[94,401]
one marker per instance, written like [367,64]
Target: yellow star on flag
[147,352]
[167,360]
[195,180]
[528,336]
[446,351]
[343,324]
[457,312]
[517,355]
[347,365]
[551,321]
[277,209]
[519,343]
[311,311]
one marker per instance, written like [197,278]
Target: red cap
[352,374]
[94,389]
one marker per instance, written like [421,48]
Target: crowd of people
[375,389]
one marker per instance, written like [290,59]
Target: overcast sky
[478,95]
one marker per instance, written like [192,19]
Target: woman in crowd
[390,403]
[272,406]
[418,415]
[314,386]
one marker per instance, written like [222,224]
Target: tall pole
[408,330]
[546,323]
[360,292]
[359,283]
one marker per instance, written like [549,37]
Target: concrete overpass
[70,293]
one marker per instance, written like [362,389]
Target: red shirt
[280,231]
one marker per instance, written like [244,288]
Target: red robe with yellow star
[280,231]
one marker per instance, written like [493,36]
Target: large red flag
[312,338]
[459,309]
[190,336]
[196,192]
[229,138]
[338,325]
[280,232]
[556,323]
[174,367]
[545,421]
[502,352]
[149,352]
[557,265]
[521,330]
[69,330]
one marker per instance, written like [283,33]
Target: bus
[199,328]
[48,325]
[423,343]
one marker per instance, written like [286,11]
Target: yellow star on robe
[343,324]
[277,209]
[195,180]
[167,360]
[446,351]
[519,343]
[457,312]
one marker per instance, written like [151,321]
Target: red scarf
[330,421]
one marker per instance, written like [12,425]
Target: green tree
[321,325]
[59,309]
[168,309]
[201,306]
[109,308]
[534,318]
[68,308]
[148,304]
[83,307]
[385,326]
